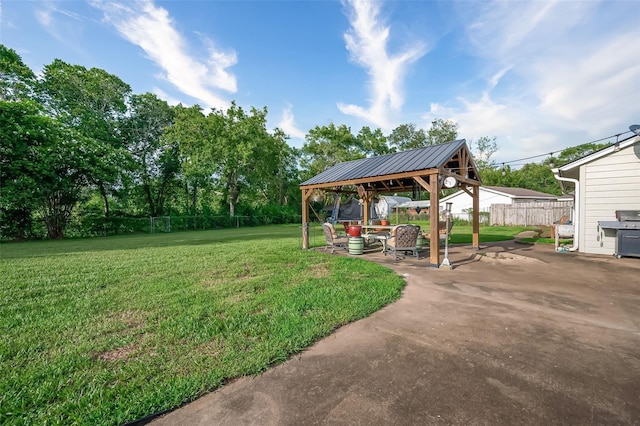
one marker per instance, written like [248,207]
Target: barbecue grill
[627,227]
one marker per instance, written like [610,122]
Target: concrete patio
[514,334]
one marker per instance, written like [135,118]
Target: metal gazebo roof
[430,157]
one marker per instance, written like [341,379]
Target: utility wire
[555,152]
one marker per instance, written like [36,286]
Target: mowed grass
[109,330]
[463,234]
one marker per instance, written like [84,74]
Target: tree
[279,179]
[373,142]
[231,147]
[482,151]
[157,161]
[191,132]
[442,131]
[406,136]
[241,143]
[538,177]
[573,153]
[91,101]
[43,167]
[16,79]
[327,146]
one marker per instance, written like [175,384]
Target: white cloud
[590,86]
[366,42]
[63,25]
[507,120]
[44,17]
[288,124]
[150,27]
[565,76]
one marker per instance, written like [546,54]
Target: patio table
[382,237]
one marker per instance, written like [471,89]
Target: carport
[408,171]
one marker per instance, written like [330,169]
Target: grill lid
[612,224]
[628,215]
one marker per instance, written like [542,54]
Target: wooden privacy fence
[530,214]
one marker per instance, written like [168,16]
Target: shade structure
[422,168]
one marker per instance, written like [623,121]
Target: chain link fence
[90,226]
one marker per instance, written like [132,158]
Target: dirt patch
[320,270]
[211,348]
[117,354]
[245,273]
[505,256]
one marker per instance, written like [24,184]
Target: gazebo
[430,168]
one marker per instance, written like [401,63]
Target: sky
[538,76]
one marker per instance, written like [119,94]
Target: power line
[555,152]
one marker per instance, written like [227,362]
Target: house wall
[463,201]
[607,184]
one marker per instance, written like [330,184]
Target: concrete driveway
[514,334]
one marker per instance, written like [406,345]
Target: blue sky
[540,76]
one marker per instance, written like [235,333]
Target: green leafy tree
[157,160]
[16,79]
[407,136]
[373,142]
[573,153]
[44,165]
[482,151]
[233,148]
[93,102]
[442,131]
[538,177]
[326,146]
[500,176]
[241,143]
[192,132]
[280,177]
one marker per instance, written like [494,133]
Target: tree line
[78,141]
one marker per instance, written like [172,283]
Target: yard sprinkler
[445,263]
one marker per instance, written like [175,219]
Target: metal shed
[424,168]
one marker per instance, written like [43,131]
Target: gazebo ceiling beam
[459,177]
[374,179]
[341,191]
[423,183]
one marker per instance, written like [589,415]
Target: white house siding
[607,184]
[463,201]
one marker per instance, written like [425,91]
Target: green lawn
[463,234]
[108,330]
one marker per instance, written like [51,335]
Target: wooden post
[434,218]
[306,193]
[368,198]
[476,218]
[365,206]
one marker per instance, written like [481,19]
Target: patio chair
[442,231]
[403,240]
[333,240]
